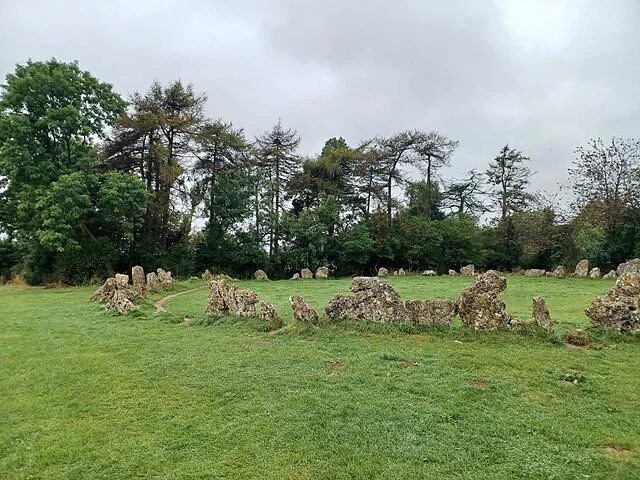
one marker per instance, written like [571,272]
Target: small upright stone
[296,276]
[559,272]
[582,268]
[207,275]
[432,273]
[595,273]
[534,272]
[306,274]
[610,275]
[401,272]
[267,311]
[383,272]
[115,293]
[541,314]
[322,272]
[620,308]
[301,311]
[152,281]
[480,307]
[139,283]
[165,279]
[452,273]
[122,280]
[468,271]
[260,275]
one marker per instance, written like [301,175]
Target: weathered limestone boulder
[595,273]
[534,272]
[383,272]
[122,280]
[374,301]
[225,299]
[322,272]
[548,274]
[115,293]
[610,275]
[619,309]
[165,279]
[267,311]
[432,273]
[401,272]
[260,275]
[207,275]
[468,271]
[395,273]
[582,268]
[559,272]
[296,276]
[541,314]
[152,281]
[452,273]
[431,312]
[139,281]
[480,307]
[302,312]
[306,274]
[632,266]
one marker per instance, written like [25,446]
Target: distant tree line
[91,184]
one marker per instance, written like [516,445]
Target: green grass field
[86,394]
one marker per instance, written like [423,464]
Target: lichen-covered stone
[541,314]
[165,279]
[296,276]
[306,274]
[322,272]
[582,268]
[468,271]
[610,275]
[452,272]
[207,275]
[115,293]
[632,266]
[534,272]
[225,299]
[559,272]
[260,275]
[152,281]
[383,272]
[267,311]
[431,312]
[595,273]
[432,273]
[139,281]
[302,312]
[374,301]
[401,272]
[620,308]
[122,280]
[480,307]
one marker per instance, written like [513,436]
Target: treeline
[91,184]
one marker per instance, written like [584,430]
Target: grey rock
[453,273]
[207,275]
[559,272]
[302,312]
[468,271]
[225,299]
[322,272]
[383,272]
[260,275]
[401,272]
[139,281]
[152,281]
[632,266]
[534,272]
[115,293]
[610,275]
[267,311]
[595,273]
[541,314]
[582,268]
[480,307]
[620,309]
[431,312]
[306,274]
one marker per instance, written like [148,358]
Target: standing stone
[260,275]
[610,275]
[122,280]
[452,273]
[541,314]
[401,272]
[246,300]
[480,307]
[431,273]
[395,273]
[207,275]
[306,274]
[115,293]
[374,301]
[632,266]
[322,272]
[152,281]
[301,311]
[468,271]
[296,276]
[165,279]
[559,272]
[431,312]
[620,308]
[383,272]
[582,268]
[267,311]
[225,299]
[595,273]
[534,272]
[139,283]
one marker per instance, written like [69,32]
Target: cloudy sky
[541,75]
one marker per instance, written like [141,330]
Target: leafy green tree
[509,177]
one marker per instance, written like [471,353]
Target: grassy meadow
[88,394]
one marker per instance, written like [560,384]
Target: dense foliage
[91,184]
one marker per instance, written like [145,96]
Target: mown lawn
[85,394]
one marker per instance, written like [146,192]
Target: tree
[276,157]
[464,196]
[510,177]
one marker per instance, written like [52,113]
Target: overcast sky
[541,75]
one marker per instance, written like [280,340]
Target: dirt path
[159,304]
